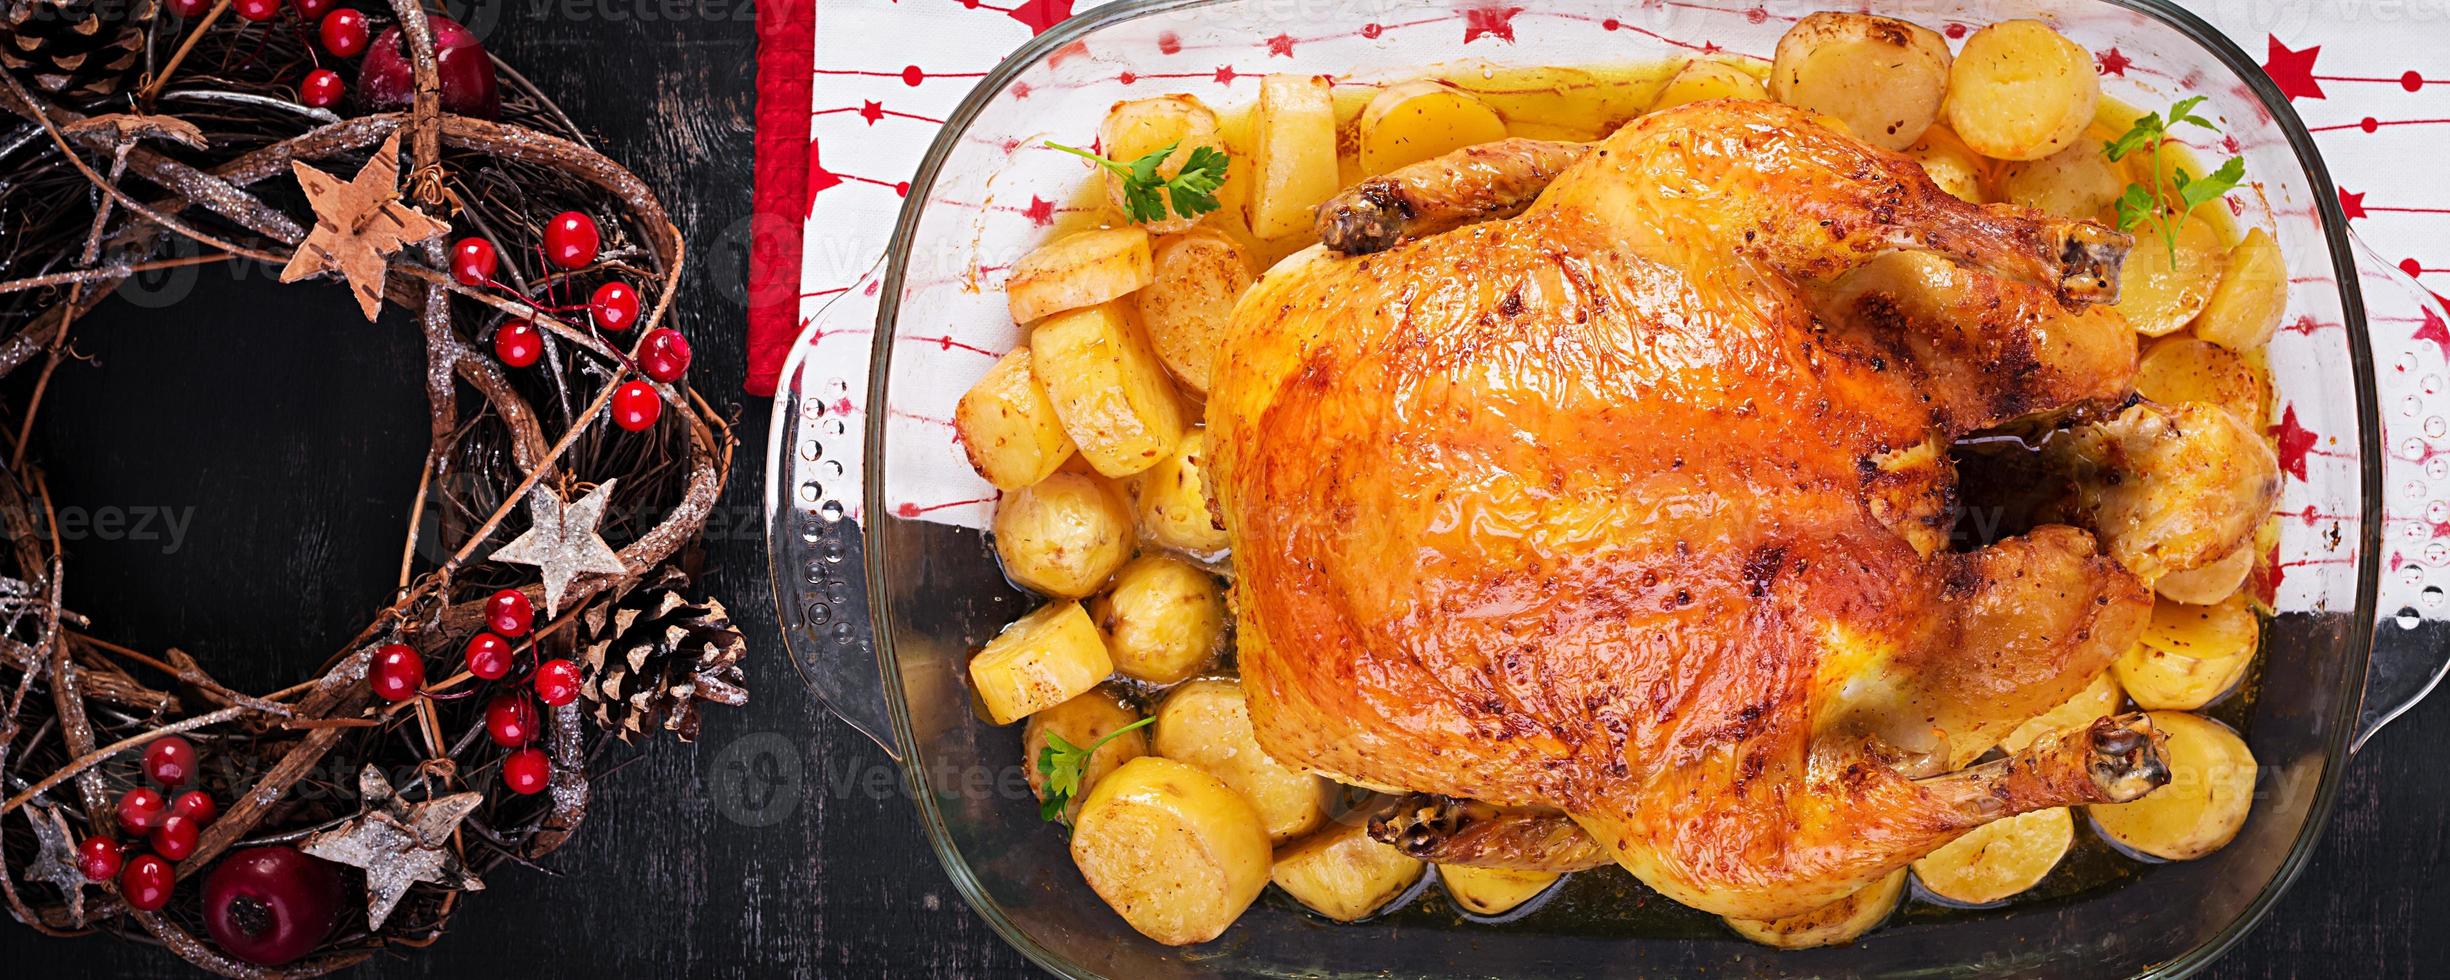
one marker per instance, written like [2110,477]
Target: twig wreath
[570,472]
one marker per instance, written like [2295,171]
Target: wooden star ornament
[398,844]
[561,541]
[359,223]
[55,858]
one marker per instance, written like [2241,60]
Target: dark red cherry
[664,356]
[399,670]
[510,613]
[636,406]
[146,883]
[170,761]
[527,771]
[570,239]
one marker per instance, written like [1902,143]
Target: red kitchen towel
[786,51]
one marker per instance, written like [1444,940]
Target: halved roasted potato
[1174,510]
[1042,660]
[1108,387]
[1885,78]
[1207,724]
[1293,154]
[1164,619]
[2245,309]
[1343,873]
[1064,535]
[2184,369]
[1493,891]
[1174,851]
[2160,292]
[2210,791]
[1841,921]
[1999,859]
[2190,655]
[1702,79]
[2021,91]
[1080,269]
[1409,122]
[1189,305]
[2075,182]
[1008,428]
[1081,722]
[2211,583]
[2099,699]
[1952,165]
[1139,127]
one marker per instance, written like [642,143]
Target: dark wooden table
[291,430]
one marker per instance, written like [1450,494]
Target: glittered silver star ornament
[398,844]
[55,858]
[562,542]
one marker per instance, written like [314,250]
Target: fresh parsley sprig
[1063,764]
[1192,189]
[2173,194]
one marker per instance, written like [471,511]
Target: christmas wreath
[569,474]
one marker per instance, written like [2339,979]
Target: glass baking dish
[886,585]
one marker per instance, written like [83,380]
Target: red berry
[399,670]
[527,771]
[472,261]
[141,810]
[614,306]
[518,343]
[343,31]
[664,356]
[256,10]
[196,805]
[99,858]
[509,612]
[322,89]
[511,719]
[557,682]
[311,9]
[190,9]
[570,239]
[488,656]
[460,65]
[146,883]
[170,761]
[636,406]
[176,837]
[270,905]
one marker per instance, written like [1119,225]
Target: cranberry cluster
[511,718]
[170,826]
[571,241]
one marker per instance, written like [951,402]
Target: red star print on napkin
[2351,206]
[2293,71]
[2295,441]
[1042,14]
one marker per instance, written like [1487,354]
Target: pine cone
[651,657]
[74,48]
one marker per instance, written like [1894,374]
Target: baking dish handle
[815,468]
[2411,347]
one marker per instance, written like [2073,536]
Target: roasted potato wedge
[2075,182]
[1838,922]
[2158,292]
[2190,655]
[1008,428]
[1702,79]
[2245,309]
[1082,721]
[2184,369]
[1999,859]
[1885,78]
[2210,583]
[1493,891]
[1164,619]
[1343,873]
[2099,699]
[1174,851]
[1409,122]
[1293,154]
[1063,536]
[1188,306]
[2021,91]
[1042,660]
[1108,387]
[1207,724]
[2211,789]
[1952,165]
[1139,127]
[1078,270]
[1174,510]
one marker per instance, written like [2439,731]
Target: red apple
[460,64]
[271,905]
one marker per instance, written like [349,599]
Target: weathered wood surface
[291,432]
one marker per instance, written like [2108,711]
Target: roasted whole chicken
[1608,488]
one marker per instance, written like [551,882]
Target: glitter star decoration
[398,844]
[358,224]
[55,858]
[562,542]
